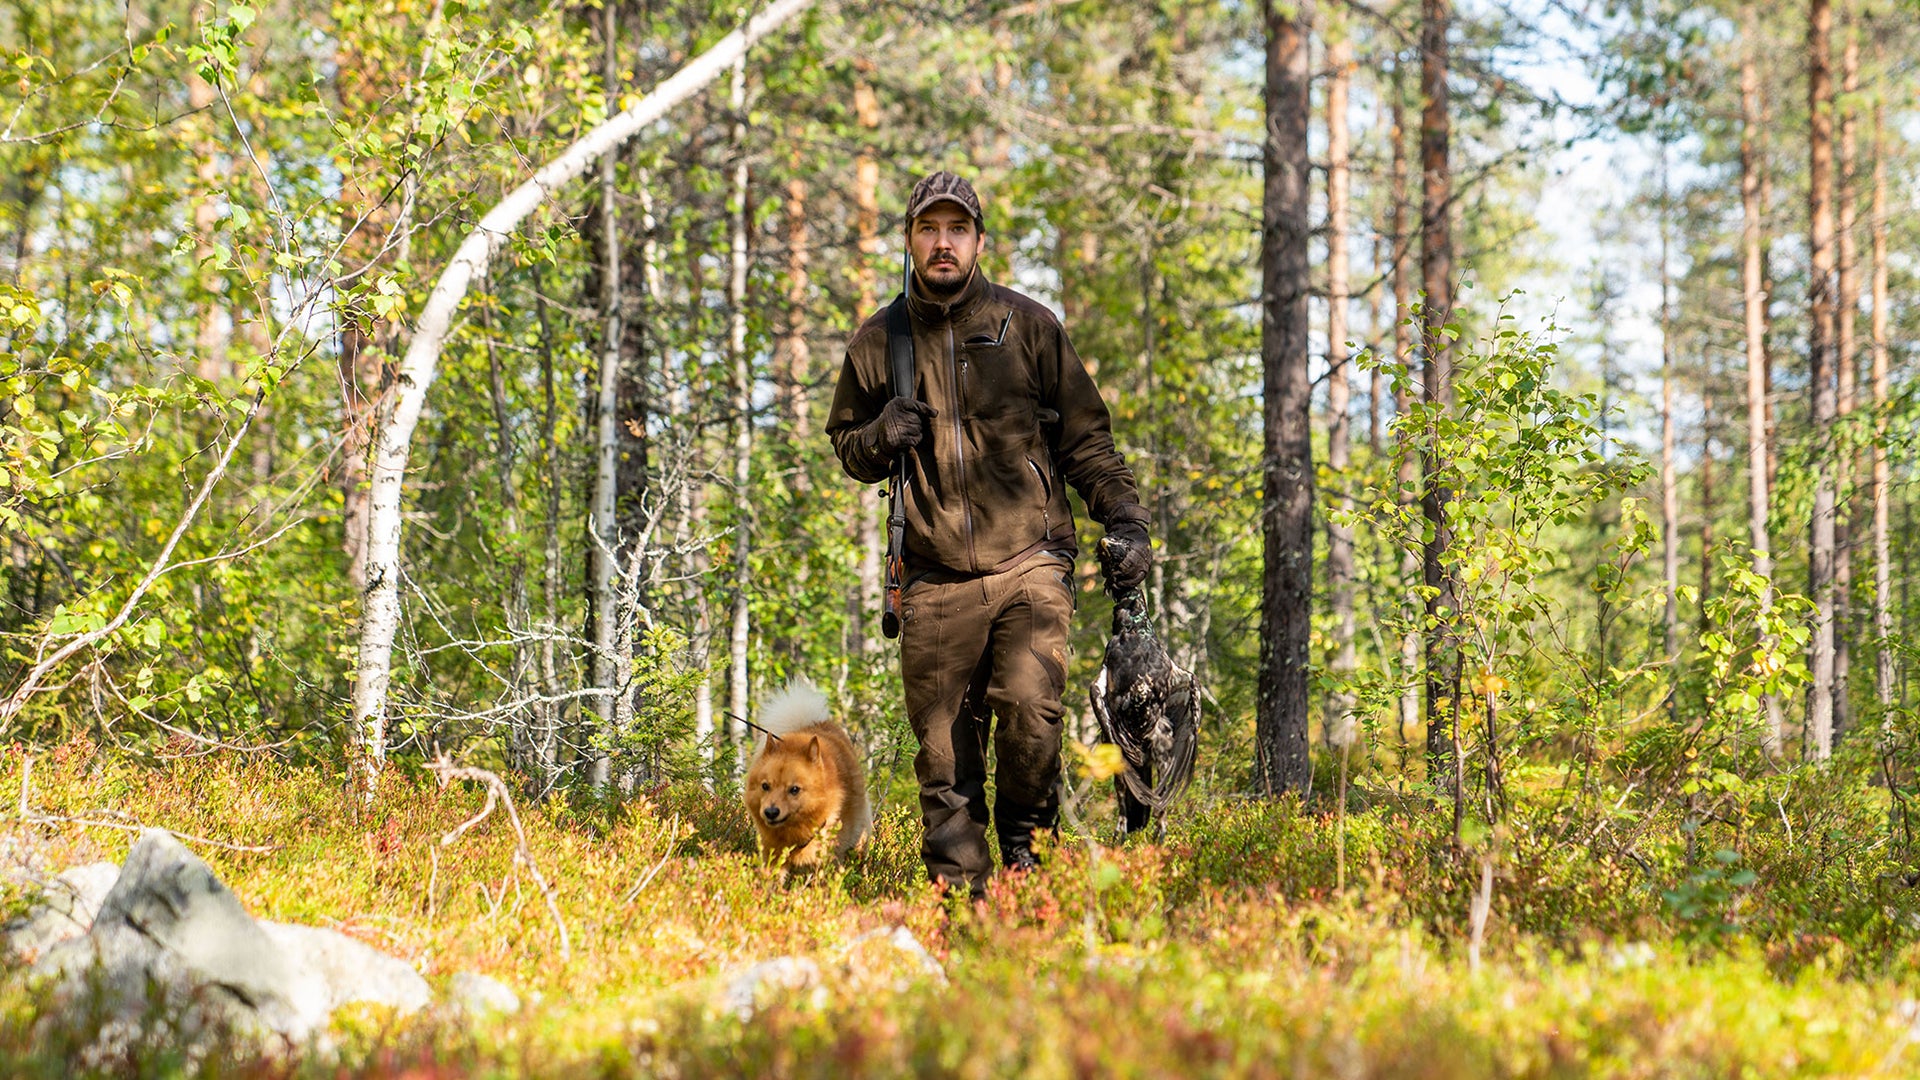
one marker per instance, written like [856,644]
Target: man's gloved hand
[1125,555]
[900,426]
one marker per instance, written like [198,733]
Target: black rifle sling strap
[900,372]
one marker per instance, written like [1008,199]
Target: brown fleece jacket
[1017,414]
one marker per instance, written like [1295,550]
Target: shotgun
[900,363]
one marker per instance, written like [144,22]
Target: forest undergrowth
[1226,947]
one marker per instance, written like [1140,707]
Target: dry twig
[497,793]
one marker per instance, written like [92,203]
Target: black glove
[1125,555]
[899,427]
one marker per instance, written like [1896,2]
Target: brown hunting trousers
[975,650]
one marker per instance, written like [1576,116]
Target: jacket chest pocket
[999,385]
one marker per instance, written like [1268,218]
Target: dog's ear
[813,748]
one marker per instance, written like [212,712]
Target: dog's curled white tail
[800,705]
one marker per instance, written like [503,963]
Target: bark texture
[1286,518]
[1754,290]
[1436,271]
[1820,367]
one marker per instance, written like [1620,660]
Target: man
[1001,411]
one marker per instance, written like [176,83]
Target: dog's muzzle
[771,813]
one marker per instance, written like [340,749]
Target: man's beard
[950,283]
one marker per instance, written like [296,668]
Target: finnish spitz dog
[805,790]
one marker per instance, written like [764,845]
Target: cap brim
[933,201]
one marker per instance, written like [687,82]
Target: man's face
[945,246]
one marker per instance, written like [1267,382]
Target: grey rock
[340,970]
[66,910]
[745,989]
[171,927]
[474,995]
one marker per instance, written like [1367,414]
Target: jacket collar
[935,313]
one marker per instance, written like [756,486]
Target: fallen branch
[497,793]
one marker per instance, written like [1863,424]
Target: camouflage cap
[944,186]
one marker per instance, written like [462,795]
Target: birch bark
[400,413]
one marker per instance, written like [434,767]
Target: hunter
[1000,412]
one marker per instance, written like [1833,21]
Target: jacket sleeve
[1084,451]
[853,422]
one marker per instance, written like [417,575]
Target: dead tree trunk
[1753,279]
[521,671]
[1286,517]
[546,740]
[1820,353]
[400,414]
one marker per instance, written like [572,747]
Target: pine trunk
[1436,271]
[1286,519]
[1820,352]
[1847,370]
[1754,286]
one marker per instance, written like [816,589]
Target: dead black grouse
[1147,707]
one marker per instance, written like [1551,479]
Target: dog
[805,791]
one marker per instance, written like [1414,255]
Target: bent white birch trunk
[381,617]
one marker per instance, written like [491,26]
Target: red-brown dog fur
[810,777]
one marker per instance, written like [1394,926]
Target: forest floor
[1227,948]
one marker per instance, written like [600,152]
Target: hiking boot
[1018,857]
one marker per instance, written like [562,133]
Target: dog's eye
[764,786]
[794,790]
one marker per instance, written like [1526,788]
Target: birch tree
[400,414]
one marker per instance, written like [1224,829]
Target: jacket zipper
[957,367]
[1046,498]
